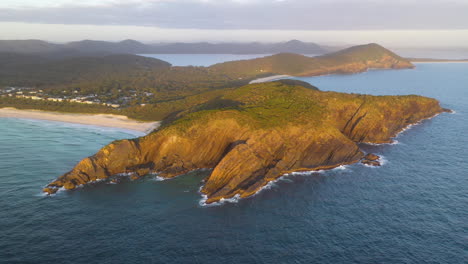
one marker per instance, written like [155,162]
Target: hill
[149,89]
[351,60]
[95,47]
[28,46]
[293,46]
[38,71]
[252,135]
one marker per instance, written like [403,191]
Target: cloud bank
[245,14]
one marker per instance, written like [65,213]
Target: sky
[395,22]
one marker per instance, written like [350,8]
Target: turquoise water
[411,210]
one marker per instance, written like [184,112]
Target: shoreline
[269,79]
[101,120]
[320,169]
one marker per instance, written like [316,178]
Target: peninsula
[253,134]
[212,118]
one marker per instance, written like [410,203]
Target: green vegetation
[298,65]
[64,107]
[150,89]
[134,47]
[259,105]
[253,134]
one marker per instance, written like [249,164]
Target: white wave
[394,142]
[202,202]
[125,174]
[94,181]
[286,180]
[273,183]
[382,160]
[233,199]
[159,178]
[341,167]
[60,190]
[269,185]
[42,194]
[408,127]
[299,173]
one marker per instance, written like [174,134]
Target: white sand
[103,120]
[269,79]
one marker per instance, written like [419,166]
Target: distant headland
[150,89]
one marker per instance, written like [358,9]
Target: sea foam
[202,202]
[269,185]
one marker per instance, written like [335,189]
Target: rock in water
[265,131]
[50,190]
[371,163]
[371,160]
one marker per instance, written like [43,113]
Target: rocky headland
[253,134]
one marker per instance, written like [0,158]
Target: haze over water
[411,210]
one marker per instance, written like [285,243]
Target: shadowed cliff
[254,134]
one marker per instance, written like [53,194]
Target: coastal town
[31,93]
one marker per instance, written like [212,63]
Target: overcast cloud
[245,14]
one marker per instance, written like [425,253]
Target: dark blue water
[411,210]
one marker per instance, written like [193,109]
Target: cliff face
[259,133]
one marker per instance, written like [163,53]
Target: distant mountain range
[94,47]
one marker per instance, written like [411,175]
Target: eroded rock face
[276,129]
[371,157]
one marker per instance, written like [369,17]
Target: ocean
[413,209]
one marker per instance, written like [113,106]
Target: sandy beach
[103,120]
[269,79]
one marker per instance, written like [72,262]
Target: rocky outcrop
[268,130]
[371,160]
